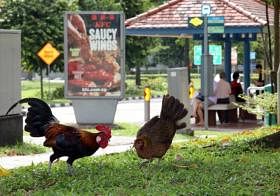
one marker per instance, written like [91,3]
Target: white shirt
[222,89]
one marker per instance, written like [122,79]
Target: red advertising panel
[94,54]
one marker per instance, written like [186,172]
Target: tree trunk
[276,44]
[41,82]
[138,76]
[269,36]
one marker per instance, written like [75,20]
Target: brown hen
[155,137]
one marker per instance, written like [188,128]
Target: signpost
[206,10]
[216,24]
[48,54]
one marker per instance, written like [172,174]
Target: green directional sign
[216,24]
[214,50]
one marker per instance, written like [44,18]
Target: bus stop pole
[205,71]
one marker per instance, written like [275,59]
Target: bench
[231,109]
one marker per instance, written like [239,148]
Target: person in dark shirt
[236,88]
[260,81]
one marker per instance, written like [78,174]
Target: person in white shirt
[222,91]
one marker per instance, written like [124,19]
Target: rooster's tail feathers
[172,109]
[39,116]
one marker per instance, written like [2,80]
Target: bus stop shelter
[243,21]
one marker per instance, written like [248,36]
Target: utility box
[178,83]
[11,129]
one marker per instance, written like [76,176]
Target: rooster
[64,140]
[155,137]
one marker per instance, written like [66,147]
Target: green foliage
[197,167]
[21,149]
[104,5]
[39,21]
[158,86]
[172,53]
[32,89]
[57,93]
[260,104]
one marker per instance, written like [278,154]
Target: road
[127,111]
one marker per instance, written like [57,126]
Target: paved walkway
[117,144]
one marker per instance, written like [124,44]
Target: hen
[155,137]
[64,140]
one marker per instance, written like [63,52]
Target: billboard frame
[121,49]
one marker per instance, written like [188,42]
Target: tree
[276,42]
[39,21]
[172,52]
[104,5]
[137,48]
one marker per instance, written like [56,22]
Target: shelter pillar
[246,64]
[227,57]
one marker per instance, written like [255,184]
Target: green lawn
[21,149]
[225,165]
[121,129]
[33,89]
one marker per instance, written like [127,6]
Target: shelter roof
[175,14]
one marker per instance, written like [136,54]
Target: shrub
[260,104]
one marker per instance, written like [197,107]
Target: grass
[226,165]
[121,129]
[33,89]
[21,149]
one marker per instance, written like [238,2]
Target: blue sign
[252,55]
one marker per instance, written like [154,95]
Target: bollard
[147,99]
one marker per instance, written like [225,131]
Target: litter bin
[11,129]
[270,119]
[268,88]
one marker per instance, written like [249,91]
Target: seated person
[222,91]
[236,88]
[221,95]
[198,107]
[260,81]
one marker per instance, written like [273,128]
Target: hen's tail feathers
[39,116]
[172,109]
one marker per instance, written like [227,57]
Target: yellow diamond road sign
[48,53]
[196,21]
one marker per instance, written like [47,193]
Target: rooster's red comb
[105,129]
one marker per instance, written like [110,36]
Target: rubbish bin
[177,87]
[268,88]
[270,119]
[11,129]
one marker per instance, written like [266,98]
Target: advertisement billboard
[94,54]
